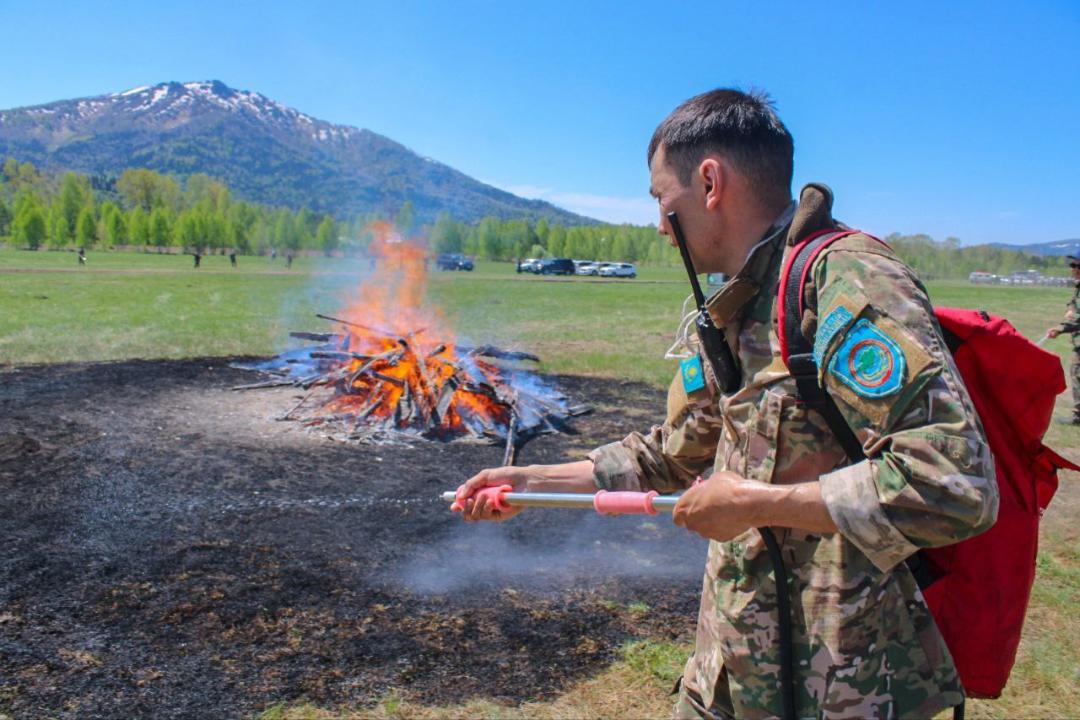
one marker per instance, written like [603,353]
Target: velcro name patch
[833,323]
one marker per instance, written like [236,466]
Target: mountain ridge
[1069,246]
[265,151]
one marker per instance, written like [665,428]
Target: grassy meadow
[128,305]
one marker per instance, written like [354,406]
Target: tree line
[147,210]
[495,239]
[946,259]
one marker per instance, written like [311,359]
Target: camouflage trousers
[689,705]
[1075,380]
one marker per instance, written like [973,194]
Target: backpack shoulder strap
[796,350]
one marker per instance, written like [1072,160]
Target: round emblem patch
[869,361]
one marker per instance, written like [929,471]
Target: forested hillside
[266,152]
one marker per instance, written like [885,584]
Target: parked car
[454,261]
[529,265]
[626,270]
[585,267]
[713,281]
[557,266]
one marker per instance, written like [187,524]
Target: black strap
[783,614]
[804,370]
[801,361]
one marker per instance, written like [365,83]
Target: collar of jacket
[814,213]
[726,304]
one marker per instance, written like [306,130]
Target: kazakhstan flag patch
[692,376]
[869,362]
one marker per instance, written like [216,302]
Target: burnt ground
[169,550]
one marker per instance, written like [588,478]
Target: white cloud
[639,210]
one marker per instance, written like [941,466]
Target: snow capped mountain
[172,100]
[267,152]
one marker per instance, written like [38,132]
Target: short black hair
[741,126]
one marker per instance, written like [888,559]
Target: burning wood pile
[381,377]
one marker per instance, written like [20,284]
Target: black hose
[783,611]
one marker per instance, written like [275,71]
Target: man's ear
[711,173]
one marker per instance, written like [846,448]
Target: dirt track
[168,550]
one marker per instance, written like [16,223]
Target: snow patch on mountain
[132,91]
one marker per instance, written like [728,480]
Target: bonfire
[392,369]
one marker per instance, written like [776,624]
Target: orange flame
[405,361]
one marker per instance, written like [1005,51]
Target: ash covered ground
[168,549]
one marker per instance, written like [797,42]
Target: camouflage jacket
[1071,322]
[865,643]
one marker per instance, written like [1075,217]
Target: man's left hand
[720,508]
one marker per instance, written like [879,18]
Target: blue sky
[951,118]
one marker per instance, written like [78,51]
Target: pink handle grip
[625,502]
[493,494]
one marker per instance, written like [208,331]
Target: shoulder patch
[868,361]
[833,323]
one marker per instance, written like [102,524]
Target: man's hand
[717,509]
[473,509]
[567,477]
[1052,333]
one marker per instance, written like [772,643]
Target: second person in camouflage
[1071,325]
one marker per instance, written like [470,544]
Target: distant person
[82,256]
[197,258]
[232,258]
[273,254]
[1071,325]
[288,260]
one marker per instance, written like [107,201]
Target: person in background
[82,256]
[1071,324]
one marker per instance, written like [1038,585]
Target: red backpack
[977,589]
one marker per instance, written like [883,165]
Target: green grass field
[127,305]
[124,305]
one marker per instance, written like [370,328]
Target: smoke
[549,549]
[330,287]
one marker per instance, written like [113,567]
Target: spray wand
[616,502]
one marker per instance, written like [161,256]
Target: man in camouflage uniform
[1071,325]
[865,644]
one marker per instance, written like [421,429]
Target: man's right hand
[477,508]
[567,477]
[1052,333]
